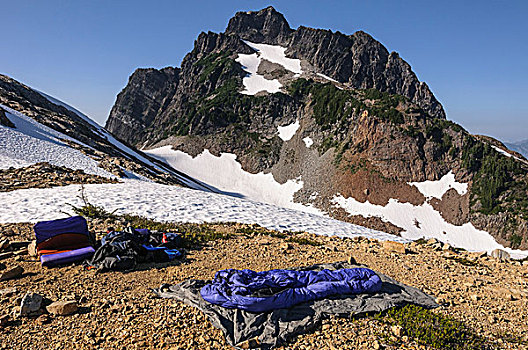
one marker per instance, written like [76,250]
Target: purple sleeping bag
[51,260]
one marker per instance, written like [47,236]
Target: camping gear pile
[63,241]
[66,241]
[241,302]
[123,250]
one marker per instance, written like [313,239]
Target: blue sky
[472,54]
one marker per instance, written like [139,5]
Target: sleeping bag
[276,289]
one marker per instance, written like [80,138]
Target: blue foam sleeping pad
[244,289]
[52,260]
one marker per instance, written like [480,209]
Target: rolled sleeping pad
[51,260]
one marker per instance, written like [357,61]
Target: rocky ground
[119,311]
[44,175]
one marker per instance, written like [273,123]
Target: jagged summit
[265,26]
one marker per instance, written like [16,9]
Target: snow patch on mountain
[226,175]
[436,189]
[31,142]
[424,221]
[286,132]
[503,152]
[327,78]
[308,142]
[254,82]
[277,54]
[171,203]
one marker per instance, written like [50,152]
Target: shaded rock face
[148,92]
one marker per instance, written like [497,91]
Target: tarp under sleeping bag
[268,329]
[276,289]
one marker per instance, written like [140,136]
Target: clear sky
[472,54]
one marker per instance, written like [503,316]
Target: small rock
[3,320]
[249,344]
[32,248]
[376,345]
[21,252]
[4,244]
[500,254]
[62,308]
[8,291]
[475,297]
[43,319]
[5,255]
[30,304]
[396,247]
[20,244]
[286,246]
[11,273]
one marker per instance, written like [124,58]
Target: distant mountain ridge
[334,122]
[519,146]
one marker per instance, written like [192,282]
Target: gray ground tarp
[267,330]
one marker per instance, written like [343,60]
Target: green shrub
[435,330]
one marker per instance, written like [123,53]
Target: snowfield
[31,142]
[170,203]
[286,132]
[424,221]
[277,54]
[225,174]
[438,188]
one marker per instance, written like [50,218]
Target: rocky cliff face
[366,126]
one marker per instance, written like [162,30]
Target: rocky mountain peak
[265,26]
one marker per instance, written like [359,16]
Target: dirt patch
[453,207]
[367,185]
[370,222]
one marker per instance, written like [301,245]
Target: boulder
[30,304]
[62,308]
[396,247]
[500,254]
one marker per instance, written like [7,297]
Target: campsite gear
[63,241]
[276,289]
[123,250]
[272,328]
[52,260]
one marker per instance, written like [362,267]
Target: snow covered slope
[31,142]
[49,130]
[170,203]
